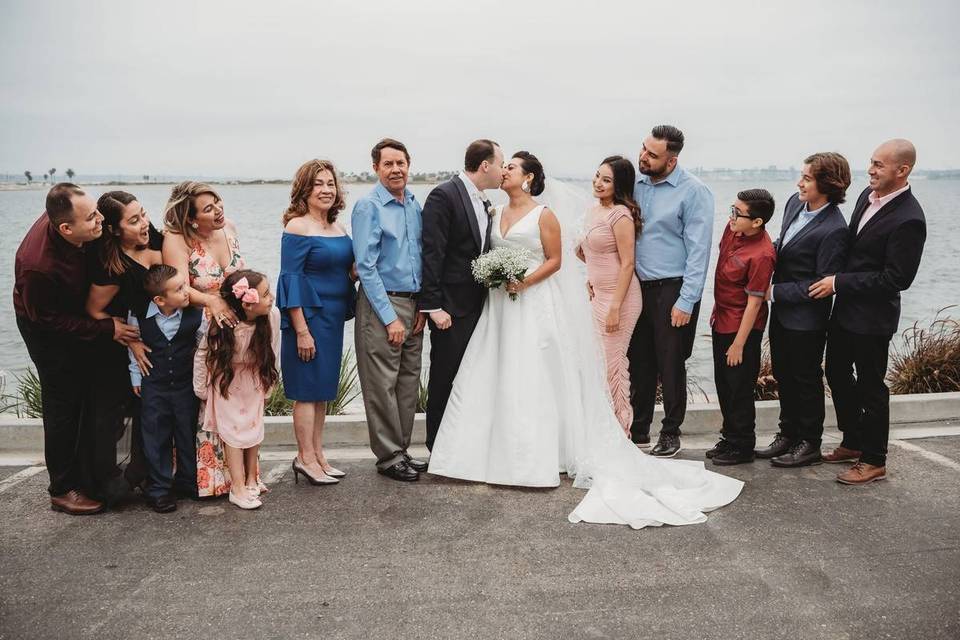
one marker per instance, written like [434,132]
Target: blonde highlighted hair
[181,208]
[303,185]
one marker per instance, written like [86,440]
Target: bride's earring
[194,225]
[525,186]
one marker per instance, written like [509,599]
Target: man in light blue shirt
[388,331]
[672,255]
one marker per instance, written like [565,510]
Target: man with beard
[49,298]
[672,256]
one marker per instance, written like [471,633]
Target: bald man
[887,232]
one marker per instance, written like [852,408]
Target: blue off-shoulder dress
[314,276]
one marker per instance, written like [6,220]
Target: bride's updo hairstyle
[530,164]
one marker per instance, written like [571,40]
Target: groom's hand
[396,332]
[419,323]
[441,319]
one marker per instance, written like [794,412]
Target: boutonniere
[488,207]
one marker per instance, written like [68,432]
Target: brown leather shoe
[862,473]
[842,454]
[75,503]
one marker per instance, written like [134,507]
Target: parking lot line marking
[19,477]
[275,474]
[929,455]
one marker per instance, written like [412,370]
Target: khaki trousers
[389,378]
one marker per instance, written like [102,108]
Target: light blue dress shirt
[168,325]
[677,232]
[386,245]
[803,219]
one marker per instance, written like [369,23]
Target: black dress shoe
[732,455]
[163,504]
[667,446]
[718,448]
[416,465]
[780,445]
[183,492]
[641,440]
[802,454]
[400,471]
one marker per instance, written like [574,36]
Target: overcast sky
[252,89]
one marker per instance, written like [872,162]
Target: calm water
[256,211]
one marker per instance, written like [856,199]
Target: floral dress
[206,275]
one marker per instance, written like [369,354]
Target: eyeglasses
[735,213]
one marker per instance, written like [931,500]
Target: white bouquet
[501,265]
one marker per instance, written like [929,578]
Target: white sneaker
[245,503]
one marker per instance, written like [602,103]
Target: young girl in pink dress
[234,371]
[611,230]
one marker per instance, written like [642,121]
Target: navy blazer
[817,250]
[451,241]
[882,261]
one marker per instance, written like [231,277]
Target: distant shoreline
[720,175]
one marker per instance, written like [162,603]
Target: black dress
[111,399]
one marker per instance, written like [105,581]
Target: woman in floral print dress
[201,241]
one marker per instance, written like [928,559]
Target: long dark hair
[624,178]
[221,345]
[111,206]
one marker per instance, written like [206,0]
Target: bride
[530,400]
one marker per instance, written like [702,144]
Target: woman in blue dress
[316,296]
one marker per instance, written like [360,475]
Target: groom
[456,229]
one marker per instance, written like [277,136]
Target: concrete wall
[27,434]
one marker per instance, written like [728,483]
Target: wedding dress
[531,401]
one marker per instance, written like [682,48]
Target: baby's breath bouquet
[501,265]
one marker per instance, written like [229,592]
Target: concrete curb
[26,434]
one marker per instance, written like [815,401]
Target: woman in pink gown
[608,245]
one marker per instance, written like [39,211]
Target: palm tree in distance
[146,178]
[46,177]
[29,176]
[53,172]
[70,174]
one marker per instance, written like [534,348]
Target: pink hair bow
[243,292]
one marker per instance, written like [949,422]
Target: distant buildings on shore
[433,177]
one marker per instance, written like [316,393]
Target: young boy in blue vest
[169,409]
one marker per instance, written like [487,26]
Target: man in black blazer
[887,233]
[456,230]
[812,244]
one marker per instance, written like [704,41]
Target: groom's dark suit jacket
[882,261]
[817,250]
[451,241]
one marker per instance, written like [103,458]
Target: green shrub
[348,386]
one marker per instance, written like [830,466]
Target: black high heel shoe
[297,470]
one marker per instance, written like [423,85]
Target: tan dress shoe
[75,503]
[842,454]
[862,473]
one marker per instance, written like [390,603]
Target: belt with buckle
[649,284]
[403,294]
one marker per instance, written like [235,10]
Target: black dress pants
[659,350]
[736,387]
[797,359]
[63,370]
[862,401]
[169,423]
[109,405]
[447,347]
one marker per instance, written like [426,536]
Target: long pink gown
[603,269]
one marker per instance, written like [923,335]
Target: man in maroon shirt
[744,268]
[49,296]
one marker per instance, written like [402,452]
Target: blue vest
[172,359]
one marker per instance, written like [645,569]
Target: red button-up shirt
[51,284]
[744,268]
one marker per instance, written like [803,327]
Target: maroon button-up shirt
[51,284]
[744,268]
